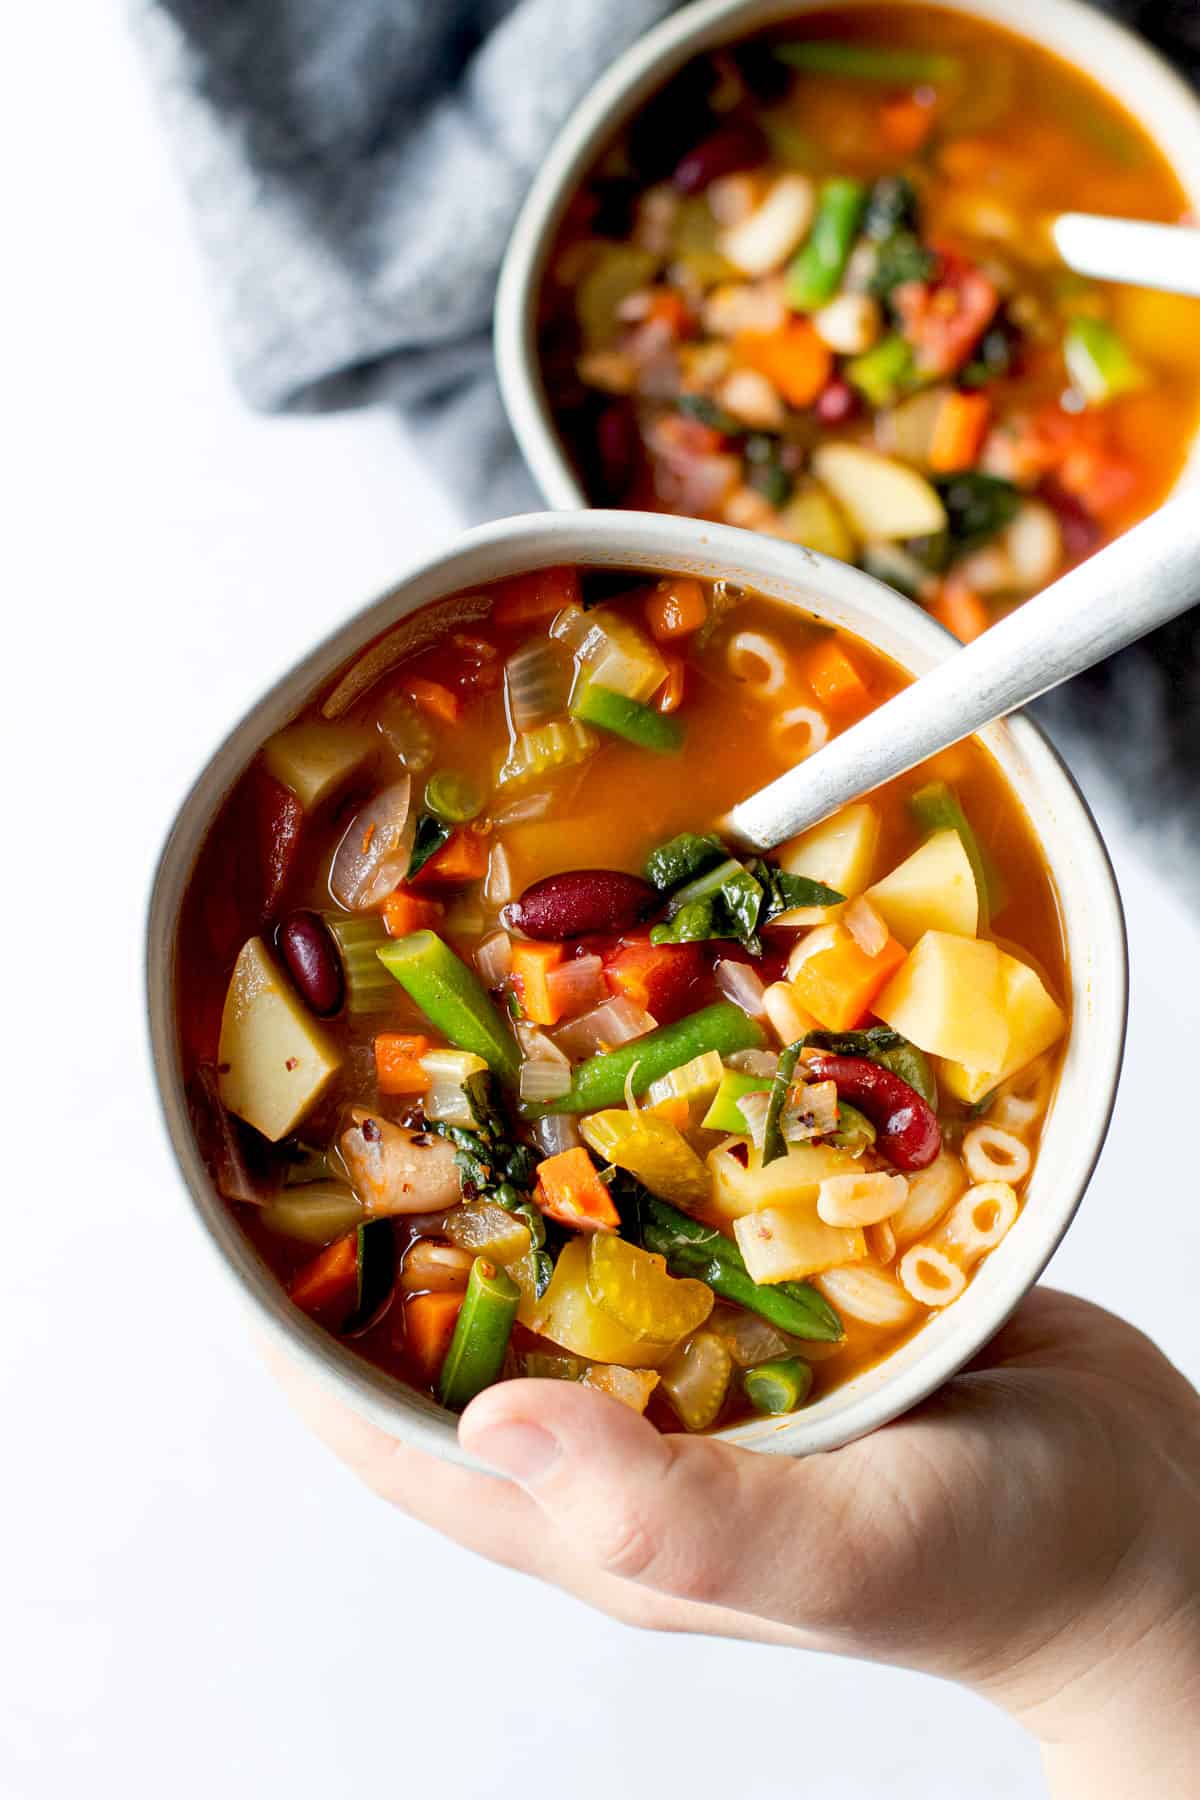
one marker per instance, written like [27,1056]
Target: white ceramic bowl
[1091,913]
[1119,61]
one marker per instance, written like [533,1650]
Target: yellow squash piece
[841,853]
[932,890]
[947,998]
[1035,1022]
[632,1287]
[653,1150]
[790,1243]
[791,1180]
[274,1061]
[569,1317]
[314,760]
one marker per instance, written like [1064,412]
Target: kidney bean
[909,1134]
[578,902]
[313,963]
[737,145]
[836,402]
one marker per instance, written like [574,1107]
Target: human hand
[1031,1531]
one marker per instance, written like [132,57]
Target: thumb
[690,1517]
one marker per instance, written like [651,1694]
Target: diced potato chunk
[789,1243]
[812,518]
[274,1060]
[739,1188]
[948,999]
[567,1316]
[932,890]
[840,853]
[880,497]
[1035,1021]
[314,760]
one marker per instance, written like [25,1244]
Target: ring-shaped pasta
[976,1223]
[991,1154]
[757,660]
[930,1276]
[814,725]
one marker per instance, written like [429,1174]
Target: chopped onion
[748,1338]
[616,1022]
[570,626]
[529,806]
[445,1103]
[865,926]
[406,731]
[493,959]
[537,679]
[498,886]
[556,1133]
[738,982]
[544,1080]
[576,985]
[374,853]
[754,1062]
[812,1111]
[536,1046]
[753,1108]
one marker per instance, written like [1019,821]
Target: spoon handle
[1142,580]
[1133,250]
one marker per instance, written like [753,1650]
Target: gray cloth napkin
[355,167]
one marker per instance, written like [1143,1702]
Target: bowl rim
[1112,54]
[1098,962]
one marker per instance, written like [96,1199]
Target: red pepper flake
[293,1062]
[371,1131]
[368,834]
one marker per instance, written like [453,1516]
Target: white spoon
[1130,250]
[1144,579]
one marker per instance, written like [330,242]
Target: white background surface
[194,1599]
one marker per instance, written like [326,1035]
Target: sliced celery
[617,655]
[369,987]
[725,1114]
[1099,363]
[694,1080]
[558,745]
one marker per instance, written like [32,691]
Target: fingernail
[522,1452]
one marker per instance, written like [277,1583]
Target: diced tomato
[945,318]
[658,977]
[280,818]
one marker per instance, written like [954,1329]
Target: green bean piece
[453,797]
[694,1249]
[779,1386]
[816,271]
[476,1354]
[881,372]
[600,1081]
[626,718]
[453,999]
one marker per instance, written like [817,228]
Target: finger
[690,1517]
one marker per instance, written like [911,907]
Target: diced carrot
[904,123]
[833,678]
[674,1109]
[837,984]
[329,1280]
[959,428]
[531,963]
[463,857]
[570,1190]
[429,1321]
[669,697]
[657,977]
[432,698]
[404,912]
[397,1063]
[794,359]
[676,608]
[959,608]
[535,598]
[668,307]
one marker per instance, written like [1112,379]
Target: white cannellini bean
[930,1276]
[800,731]
[850,324]
[758,661]
[931,1192]
[1034,545]
[732,198]
[994,1155]
[764,241]
[431,1268]
[751,398]
[860,1199]
[867,1295]
[744,306]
